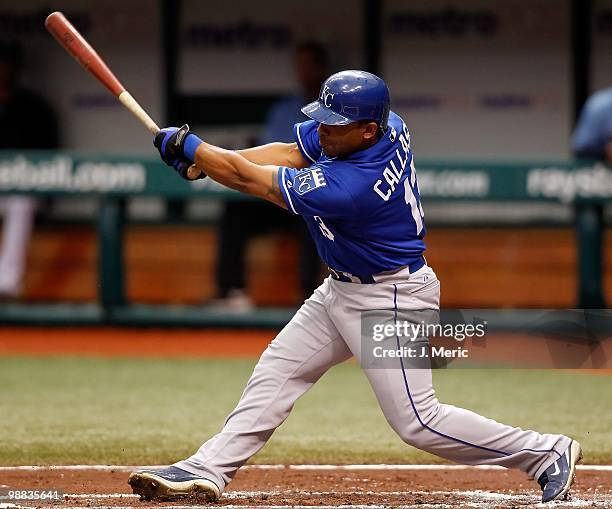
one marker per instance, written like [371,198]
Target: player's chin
[329,151]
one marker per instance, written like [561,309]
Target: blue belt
[367,279]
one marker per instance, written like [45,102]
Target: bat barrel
[74,43]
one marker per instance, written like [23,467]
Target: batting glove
[181,166]
[177,148]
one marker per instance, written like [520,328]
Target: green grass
[123,411]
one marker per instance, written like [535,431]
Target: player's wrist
[190,145]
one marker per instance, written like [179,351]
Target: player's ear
[370,131]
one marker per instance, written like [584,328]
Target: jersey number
[323,227]
[411,200]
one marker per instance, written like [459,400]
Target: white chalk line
[129,468]
[285,506]
[469,498]
[238,494]
[100,495]
[229,506]
[356,506]
[477,505]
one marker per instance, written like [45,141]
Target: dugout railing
[586,185]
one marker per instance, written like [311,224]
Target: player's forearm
[277,154]
[236,172]
[179,149]
[224,166]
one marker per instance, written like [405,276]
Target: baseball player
[350,174]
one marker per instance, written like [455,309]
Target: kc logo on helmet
[326,96]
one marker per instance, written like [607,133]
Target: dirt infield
[319,487]
[126,342]
[505,348]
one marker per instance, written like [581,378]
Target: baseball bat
[75,44]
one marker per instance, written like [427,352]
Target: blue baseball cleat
[172,483]
[558,478]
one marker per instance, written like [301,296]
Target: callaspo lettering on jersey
[363,210]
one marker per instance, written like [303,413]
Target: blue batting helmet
[349,96]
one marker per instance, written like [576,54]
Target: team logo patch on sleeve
[308,180]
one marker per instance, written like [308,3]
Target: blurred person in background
[592,137]
[26,122]
[242,220]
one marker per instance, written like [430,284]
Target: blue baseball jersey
[362,210]
[594,128]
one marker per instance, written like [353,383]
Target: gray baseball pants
[325,331]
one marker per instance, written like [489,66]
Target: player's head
[352,110]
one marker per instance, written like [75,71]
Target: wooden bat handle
[131,104]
